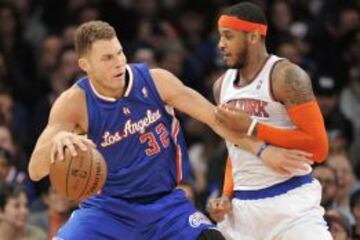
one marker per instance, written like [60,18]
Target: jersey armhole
[149,81]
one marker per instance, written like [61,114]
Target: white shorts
[295,215]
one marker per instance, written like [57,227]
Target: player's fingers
[70,145]
[296,165]
[284,171]
[80,144]
[302,156]
[213,204]
[88,142]
[224,203]
[59,151]
[302,153]
[52,153]
[210,205]
[218,216]
[299,157]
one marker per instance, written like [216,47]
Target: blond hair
[90,32]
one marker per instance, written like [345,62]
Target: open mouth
[118,75]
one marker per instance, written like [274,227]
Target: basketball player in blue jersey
[126,112]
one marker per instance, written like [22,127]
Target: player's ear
[254,37]
[83,64]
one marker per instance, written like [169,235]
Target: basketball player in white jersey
[268,202]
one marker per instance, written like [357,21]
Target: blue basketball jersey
[144,148]
[139,137]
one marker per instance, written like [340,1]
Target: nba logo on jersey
[126,111]
[258,86]
[145,92]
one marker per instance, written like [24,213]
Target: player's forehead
[225,30]
[106,46]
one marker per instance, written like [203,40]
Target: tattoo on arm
[297,86]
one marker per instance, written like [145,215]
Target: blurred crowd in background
[38,62]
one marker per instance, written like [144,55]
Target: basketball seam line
[87,182]
[67,176]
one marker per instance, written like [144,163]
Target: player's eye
[107,58]
[228,36]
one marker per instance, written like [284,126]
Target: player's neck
[106,92]
[255,62]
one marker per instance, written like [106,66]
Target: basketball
[77,178]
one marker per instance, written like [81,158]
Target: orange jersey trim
[228,188]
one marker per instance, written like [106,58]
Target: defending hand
[286,161]
[218,208]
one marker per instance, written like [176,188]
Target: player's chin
[229,62]
[118,81]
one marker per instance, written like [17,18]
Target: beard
[242,57]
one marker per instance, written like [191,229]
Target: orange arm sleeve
[228,188]
[309,136]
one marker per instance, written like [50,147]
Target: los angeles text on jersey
[253,107]
[131,127]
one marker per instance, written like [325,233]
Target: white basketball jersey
[249,171]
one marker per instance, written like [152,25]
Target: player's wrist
[256,129]
[262,149]
[250,131]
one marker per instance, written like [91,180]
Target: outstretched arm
[174,93]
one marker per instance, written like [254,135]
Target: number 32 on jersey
[153,145]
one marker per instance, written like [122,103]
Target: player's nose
[120,61]
[221,46]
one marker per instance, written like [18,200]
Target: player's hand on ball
[287,161]
[218,208]
[64,139]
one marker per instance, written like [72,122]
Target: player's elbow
[34,175]
[321,150]
[36,172]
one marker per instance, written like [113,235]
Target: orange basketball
[77,178]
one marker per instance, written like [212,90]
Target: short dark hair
[246,11]
[9,190]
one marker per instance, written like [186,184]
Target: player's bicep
[293,85]
[167,84]
[63,116]
[174,93]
